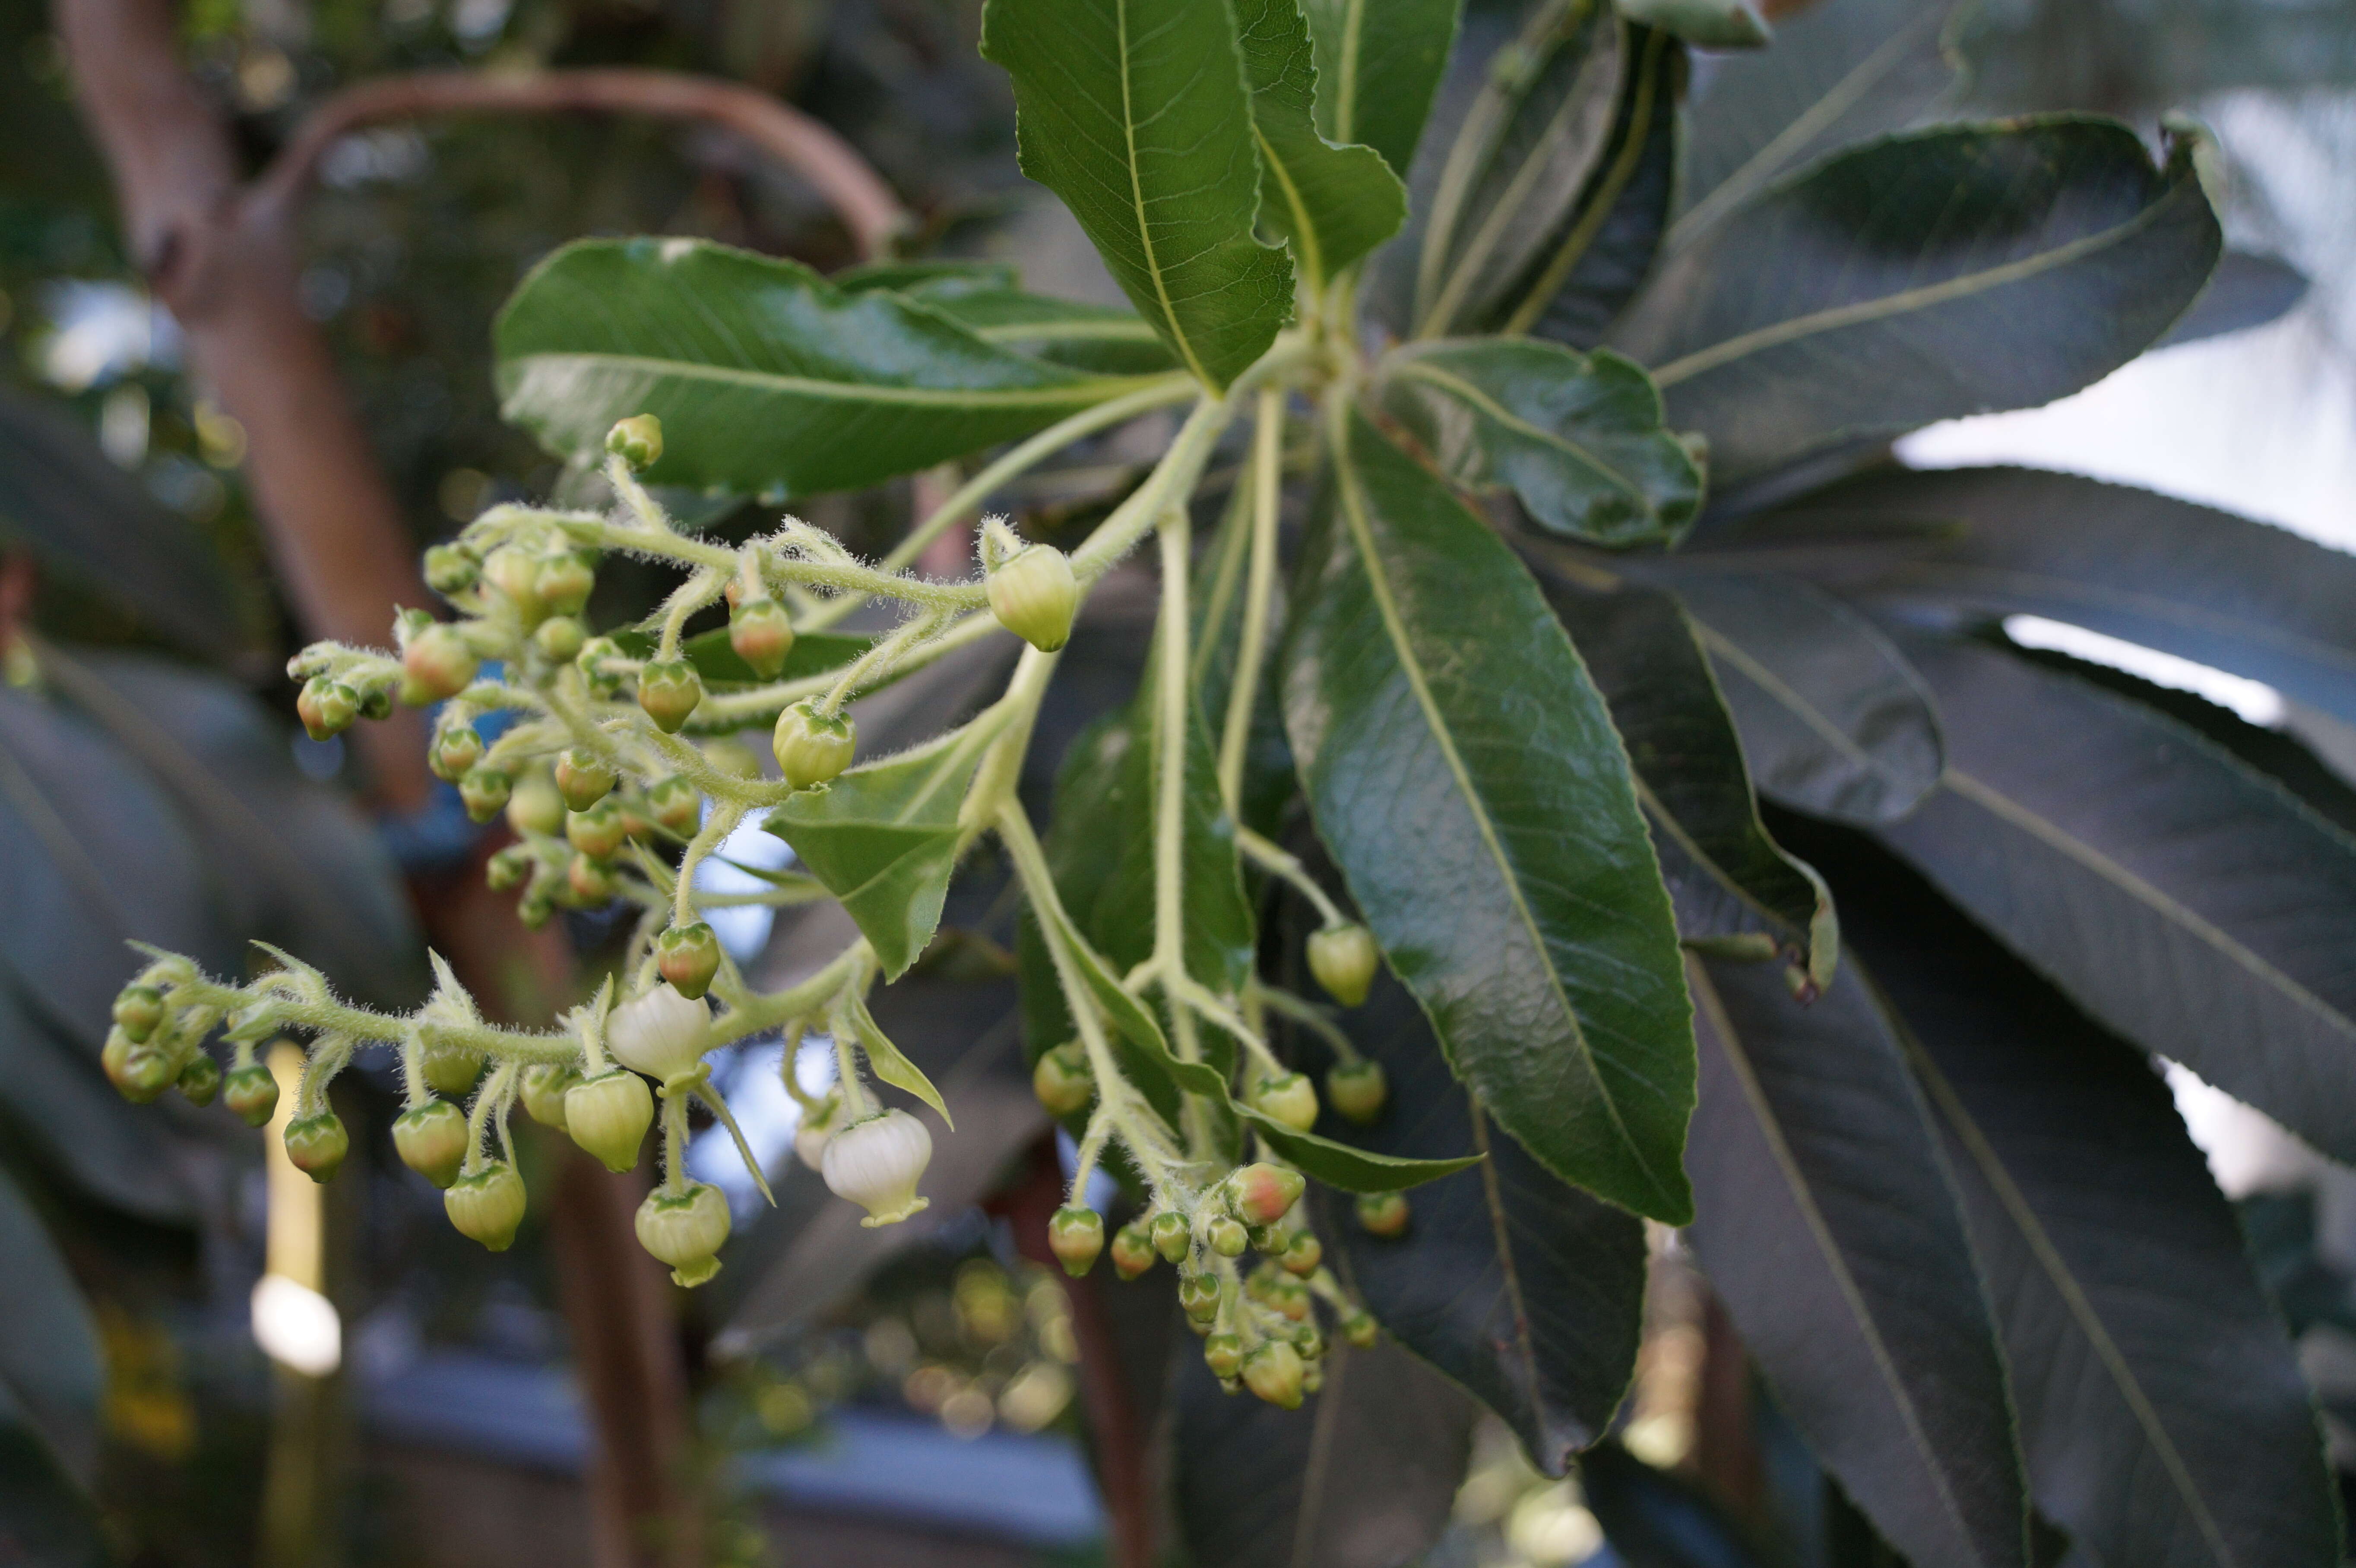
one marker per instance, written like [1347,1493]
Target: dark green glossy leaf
[68,1115]
[1577,437]
[1655,1518]
[1086,336]
[2178,897]
[49,1367]
[1378,64]
[1333,203]
[2162,1407]
[1136,114]
[767,378]
[1690,774]
[1362,1475]
[1830,1227]
[2246,291]
[92,523]
[1448,739]
[1834,720]
[891,1064]
[2184,579]
[1922,277]
[883,840]
[1526,1291]
[2153,55]
[933,280]
[1840,71]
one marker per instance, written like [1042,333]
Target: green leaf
[1136,114]
[1086,336]
[1922,277]
[2189,580]
[890,1064]
[2246,291]
[1657,1519]
[1830,1227]
[1378,64]
[49,1366]
[1690,774]
[1449,740]
[2153,56]
[62,1112]
[45,1517]
[767,378]
[1578,438]
[2161,1406]
[2182,900]
[929,281]
[883,838]
[1833,720]
[1333,203]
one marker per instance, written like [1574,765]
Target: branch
[866,204]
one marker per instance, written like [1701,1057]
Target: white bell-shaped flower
[661,1034]
[877,1163]
[819,1125]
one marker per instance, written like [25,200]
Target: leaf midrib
[1465,391]
[1789,698]
[1081,390]
[1137,200]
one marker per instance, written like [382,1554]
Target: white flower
[877,1163]
[661,1034]
[820,1124]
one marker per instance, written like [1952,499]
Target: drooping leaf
[1333,203]
[929,280]
[1378,63]
[1362,1475]
[2188,580]
[1829,1225]
[1526,1291]
[1690,774]
[1136,114]
[1096,338]
[767,378]
[2179,898]
[1447,735]
[1578,438]
[1922,277]
[2246,291]
[2162,1407]
[1834,720]
[891,1064]
[49,1367]
[884,837]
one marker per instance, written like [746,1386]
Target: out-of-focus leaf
[50,1368]
[2246,291]
[2179,898]
[1333,203]
[931,280]
[767,378]
[64,1110]
[85,517]
[1065,332]
[1378,63]
[1922,277]
[1834,720]
[1711,24]
[45,1517]
[1577,437]
[1362,1475]
[1654,1520]
[1137,115]
[2162,1407]
[1690,774]
[1830,1227]
[2153,55]
[2184,579]
[1446,731]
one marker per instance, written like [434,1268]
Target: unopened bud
[877,1163]
[1035,596]
[431,1140]
[325,707]
[1302,1254]
[1344,957]
[1290,1099]
[139,1073]
[536,804]
[582,778]
[252,1092]
[544,1084]
[512,572]
[138,1009]
[1261,1194]
[449,568]
[609,1115]
[1289,1297]
[1173,1238]
[450,1070]
[317,1145]
[1076,1236]
[438,663]
[596,832]
[456,749]
[1132,1250]
[688,956]
[591,661]
[1273,1371]
[636,441]
[1199,1294]
[1062,1080]
[201,1080]
[1357,1090]
[1359,1327]
[1307,1339]
[487,1206]
[1223,1354]
[559,637]
[763,635]
[376,703]
[1228,1237]
[677,805]
[812,747]
[485,790]
[1383,1213]
[685,1230]
[563,581]
[590,881]
[510,868]
[669,691]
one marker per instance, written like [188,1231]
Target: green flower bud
[450,1070]
[812,748]
[1076,1236]
[678,805]
[510,868]
[636,441]
[590,881]
[596,832]
[437,662]
[582,778]
[684,1230]
[533,910]
[545,1084]
[252,1092]
[376,703]
[485,790]
[1273,1371]
[1132,1250]
[1228,1237]
[139,1073]
[1307,1340]
[1359,1327]
[317,1145]
[1289,1297]
[1261,1194]
[514,574]
[1290,1099]
[431,1140]
[559,637]
[763,635]
[562,580]
[1357,1090]
[325,707]
[201,1080]
[488,1206]
[688,956]
[1035,596]
[449,568]
[1062,1080]
[669,690]
[1302,1254]
[1199,1294]
[609,1115]
[1343,958]
[138,1009]
[1223,1354]
[536,804]
[456,749]
[1383,1213]
[1172,1237]
[592,662]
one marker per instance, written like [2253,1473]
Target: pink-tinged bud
[1076,1236]
[588,883]
[139,1073]
[513,573]
[1383,1213]
[596,832]
[1273,1371]
[762,633]
[317,1145]
[438,662]
[485,792]
[252,1094]
[1261,1194]
[488,1206]
[582,778]
[325,707]
[669,691]
[688,956]
[1132,1251]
